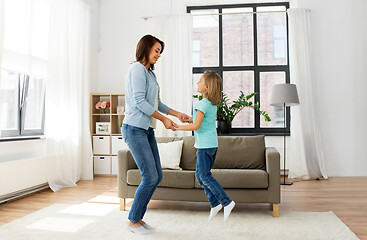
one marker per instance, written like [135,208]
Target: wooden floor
[346,197]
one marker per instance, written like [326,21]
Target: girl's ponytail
[214,83]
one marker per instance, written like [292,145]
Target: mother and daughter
[143,105]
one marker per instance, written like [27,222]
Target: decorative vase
[225,127]
[103,110]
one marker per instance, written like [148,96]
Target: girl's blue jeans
[144,149]
[213,190]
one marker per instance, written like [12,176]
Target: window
[22,104]
[24,68]
[247,45]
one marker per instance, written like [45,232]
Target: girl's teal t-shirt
[206,135]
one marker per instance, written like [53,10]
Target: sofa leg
[271,207]
[275,210]
[122,204]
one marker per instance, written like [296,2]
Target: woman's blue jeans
[144,149]
[213,190]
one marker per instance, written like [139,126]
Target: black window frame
[279,131]
[20,133]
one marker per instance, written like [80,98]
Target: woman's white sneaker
[140,230]
[148,227]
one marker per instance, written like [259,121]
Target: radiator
[21,176]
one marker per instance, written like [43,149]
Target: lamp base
[285,183]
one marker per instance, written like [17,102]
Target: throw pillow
[170,154]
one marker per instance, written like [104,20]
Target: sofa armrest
[125,162]
[272,161]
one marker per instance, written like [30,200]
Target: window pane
[26,36]
[196,53]
[267,80]
[238,42]
[279,49]
[271,36]
[34,104]
[9,101]
[233,83]
[206,38]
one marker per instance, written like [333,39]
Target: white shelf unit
[106,146]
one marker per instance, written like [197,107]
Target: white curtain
[67,97]
[174,68]
[306,153]
[2,19]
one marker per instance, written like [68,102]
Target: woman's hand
[169,124]
[193,126]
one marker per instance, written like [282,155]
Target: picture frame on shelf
[120,109]
[103,128]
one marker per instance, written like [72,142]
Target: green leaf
[226,110]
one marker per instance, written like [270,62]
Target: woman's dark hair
[143,49]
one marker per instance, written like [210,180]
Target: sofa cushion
[170,154]
[168,139]
[239,178]
[240,153]
[171,178]
[188,156]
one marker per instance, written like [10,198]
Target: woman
[142,111]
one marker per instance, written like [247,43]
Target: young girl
[206,141]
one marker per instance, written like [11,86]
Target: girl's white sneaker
[228,210]
[214,211]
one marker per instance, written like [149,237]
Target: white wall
[339,57]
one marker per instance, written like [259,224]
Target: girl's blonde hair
[214,83]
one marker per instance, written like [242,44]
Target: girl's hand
[183,118]
[194,126]
[178,127]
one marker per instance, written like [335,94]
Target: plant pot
[225,127]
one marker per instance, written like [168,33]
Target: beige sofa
[248,171]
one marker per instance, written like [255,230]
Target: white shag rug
[105,221]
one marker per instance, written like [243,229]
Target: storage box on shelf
[106,138]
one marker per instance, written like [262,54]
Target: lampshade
[285,93]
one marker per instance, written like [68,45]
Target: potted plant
[226,112]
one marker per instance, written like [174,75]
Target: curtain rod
[207,14]
[211,14]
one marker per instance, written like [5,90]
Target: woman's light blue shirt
[140,93]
